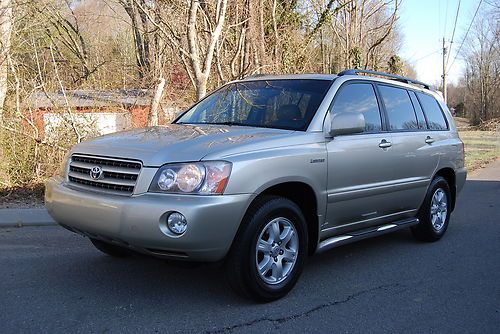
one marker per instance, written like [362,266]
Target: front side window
[282,104]
[399,108]
[359,97]
[435,117]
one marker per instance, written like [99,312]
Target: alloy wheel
[276,250]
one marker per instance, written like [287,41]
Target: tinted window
[359,97]
[435,117]
[422,124]
[399,108]
[283,104]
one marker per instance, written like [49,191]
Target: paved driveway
[53,281]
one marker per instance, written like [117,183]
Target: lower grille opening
[166,253]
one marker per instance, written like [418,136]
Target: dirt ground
[22,196]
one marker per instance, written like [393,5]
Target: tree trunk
[201,68]
[141,39]
[201,88]
[5,32]
[155,103]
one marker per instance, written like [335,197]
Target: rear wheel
[268,253]
[434,214]
[112,250]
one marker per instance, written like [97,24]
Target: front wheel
[434,214]
[268,254]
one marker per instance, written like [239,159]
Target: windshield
[282,104]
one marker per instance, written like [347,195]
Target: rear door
[438,136]
[415,157]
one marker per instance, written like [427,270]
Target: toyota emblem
[96,173]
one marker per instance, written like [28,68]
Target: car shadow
[147,281]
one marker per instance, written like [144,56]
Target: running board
[354,236]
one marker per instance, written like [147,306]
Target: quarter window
[359,97]
[399,108]
[435,117]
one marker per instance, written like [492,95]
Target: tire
[109,249]
[432,225]
[286,248]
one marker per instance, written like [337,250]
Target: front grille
[118,176]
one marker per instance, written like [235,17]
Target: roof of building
[91,98]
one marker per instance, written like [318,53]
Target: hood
[155,146]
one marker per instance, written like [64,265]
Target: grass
[461,122]
[481,147]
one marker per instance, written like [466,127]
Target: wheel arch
[303,195]
[449,175]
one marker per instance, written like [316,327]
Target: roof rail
[388,75]
[255,75]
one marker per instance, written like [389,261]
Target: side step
[343,239]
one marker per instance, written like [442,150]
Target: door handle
[385,144]
[429,140]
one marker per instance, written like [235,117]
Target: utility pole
[445,95]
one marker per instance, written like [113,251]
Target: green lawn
[481,147]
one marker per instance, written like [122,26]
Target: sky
[424,23]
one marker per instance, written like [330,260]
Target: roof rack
[256,75]
[383,74]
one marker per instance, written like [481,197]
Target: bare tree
[141,28]
[5,33]
[355,33]
[482,73]
[201,65]
[155,103]
[195,34]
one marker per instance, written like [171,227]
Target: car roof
[306,76]
[331,77]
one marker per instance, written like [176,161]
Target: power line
[466,33]
[453,33]
[427,55]
[445,57]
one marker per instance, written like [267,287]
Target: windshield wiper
[230,123]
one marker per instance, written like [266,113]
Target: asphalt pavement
[53,281]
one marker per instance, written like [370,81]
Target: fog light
[177,223]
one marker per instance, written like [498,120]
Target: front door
[360,168]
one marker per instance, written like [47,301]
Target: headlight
[190,177]
[205,178]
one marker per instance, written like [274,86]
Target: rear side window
[422,124]
[435,117]
[359,97]
[399,108]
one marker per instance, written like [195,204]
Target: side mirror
[347,123]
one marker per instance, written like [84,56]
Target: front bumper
[137,221]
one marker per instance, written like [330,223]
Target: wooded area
[475,96]
[180,49]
